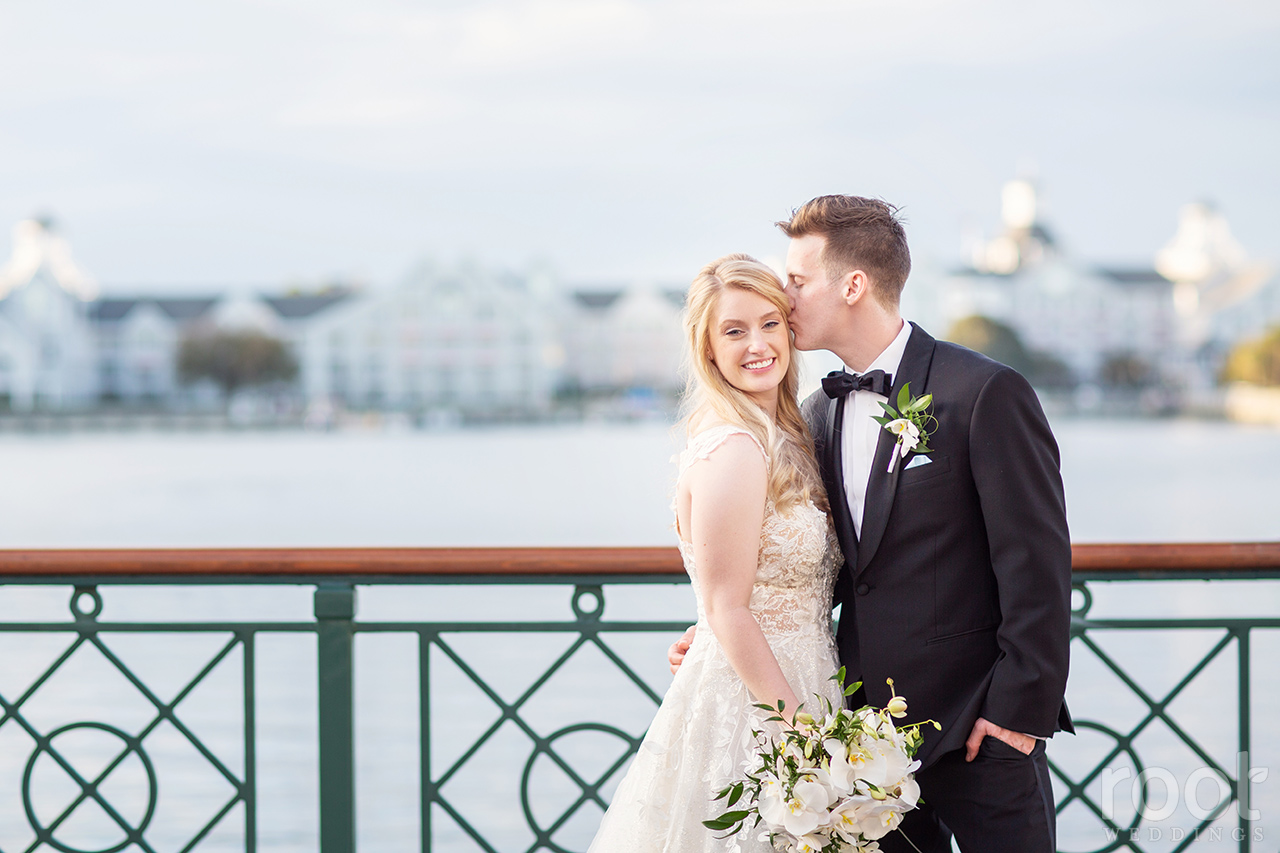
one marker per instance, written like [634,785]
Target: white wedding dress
[701,737]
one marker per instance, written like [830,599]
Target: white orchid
[905,430]
[871,764]
[909,788]
[770,799]
[897,766]
[880,822]
[848,814]
[844,775]
[809,843]
[807,807]
[799,814]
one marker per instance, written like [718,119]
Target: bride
[756,542]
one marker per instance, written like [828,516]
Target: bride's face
[750,345]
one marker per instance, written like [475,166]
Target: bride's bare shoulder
[703,423]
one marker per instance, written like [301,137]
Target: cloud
[715,113]
[548,31]
[364,109]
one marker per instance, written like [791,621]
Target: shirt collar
[891,358]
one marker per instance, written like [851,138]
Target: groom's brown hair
[861,233]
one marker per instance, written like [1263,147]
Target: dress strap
[702,445]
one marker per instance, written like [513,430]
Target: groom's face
[816,302]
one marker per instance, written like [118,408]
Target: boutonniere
[911,422]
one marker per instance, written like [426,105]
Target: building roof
[185,308]
[305,305]
[598,299]
[1132,276]
[111,309]
[974,272]
[1041,233]
[175,308]
[190,308]
[603,299]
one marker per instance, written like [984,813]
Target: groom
[957,574]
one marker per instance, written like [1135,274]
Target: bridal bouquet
[829,785]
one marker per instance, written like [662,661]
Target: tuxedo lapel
[883,485]
[833,465]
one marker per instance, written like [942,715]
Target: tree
[1049,371]
[1256,362]
[993,339]
[1126,370]
[235,359]
[1001,342]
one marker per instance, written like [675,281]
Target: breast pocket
[935,467]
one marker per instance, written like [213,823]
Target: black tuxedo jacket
[959,588]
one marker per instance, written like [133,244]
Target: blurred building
[625,340]
[460,340]
[64,348]
[138,338]
[463,339]
[1171,319]
[47,352]
[1220,295]
[472,342]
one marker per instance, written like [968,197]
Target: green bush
[1256,362]
[1001,342]
[235,359]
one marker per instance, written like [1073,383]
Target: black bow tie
[837,383]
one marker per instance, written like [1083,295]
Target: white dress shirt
[861,433]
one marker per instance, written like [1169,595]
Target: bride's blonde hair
[793,474]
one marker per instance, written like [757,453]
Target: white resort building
[48,357]
[625,338]
[1178,316]
[461,340]
[482,343]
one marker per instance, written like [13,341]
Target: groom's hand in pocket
[984,728]
[678,649]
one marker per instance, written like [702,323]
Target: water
[1127,481]
[564,485]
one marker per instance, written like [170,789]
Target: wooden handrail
[1167,559]
[1173,557]
[285,562]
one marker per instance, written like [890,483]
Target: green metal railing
[586,575]
[1229,640]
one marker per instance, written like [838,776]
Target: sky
[289,143]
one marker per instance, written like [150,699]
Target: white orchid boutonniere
[911,422]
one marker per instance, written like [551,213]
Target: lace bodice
[798,555]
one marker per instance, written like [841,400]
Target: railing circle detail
[593,595]
[95,598]
[1086,600]
[590,793]
[1126,748]
[133,834]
